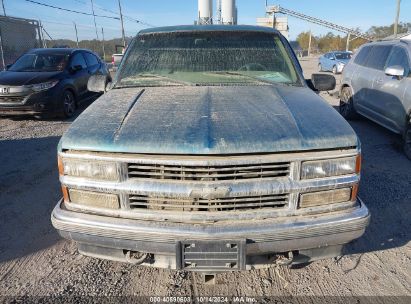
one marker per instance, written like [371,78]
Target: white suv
[377,84]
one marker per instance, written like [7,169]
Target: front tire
[407,141]
[69,104]
[335,70]
[346,104]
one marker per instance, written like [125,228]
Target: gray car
[333,61]
[210,152]
[377,85]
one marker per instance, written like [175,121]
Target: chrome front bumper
[311,237]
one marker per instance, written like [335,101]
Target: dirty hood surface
[209,120]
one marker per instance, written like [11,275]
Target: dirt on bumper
[309,237]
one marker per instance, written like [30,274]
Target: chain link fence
[17,36]
[66,34]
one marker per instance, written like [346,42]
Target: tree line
[319,44]
[332,42]
[111,46]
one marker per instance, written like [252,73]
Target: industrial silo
[205,11]
[228,12]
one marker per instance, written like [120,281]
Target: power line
[71,11]
[113,12]
[80,25]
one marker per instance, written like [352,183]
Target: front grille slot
[271,201]
[208,173]
[12,99]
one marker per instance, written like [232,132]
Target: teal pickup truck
[210,152]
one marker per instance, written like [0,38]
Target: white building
[279,23]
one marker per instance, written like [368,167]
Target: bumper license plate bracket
[212,255]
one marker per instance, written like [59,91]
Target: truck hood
[209,120]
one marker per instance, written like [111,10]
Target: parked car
[377,85]
[298,50]
[116,58]
[334,61]
[115,61]
[215,156]
[49,82]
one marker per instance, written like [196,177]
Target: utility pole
[122,25]
[41,36]
[347,46]
[45,32]
[397,17]
[94,16]
[4,10]
[75,29]
[309,45]
[104,51]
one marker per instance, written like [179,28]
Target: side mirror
[395,70]
[76,68]
[322,82]
[332,58]
[8,66]
[98,83]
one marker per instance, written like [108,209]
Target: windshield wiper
[156,76]
[243,75]
[257,79]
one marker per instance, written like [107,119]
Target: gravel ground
[35,261]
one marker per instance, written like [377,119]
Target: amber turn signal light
[358,164]
[354,192]
[64,190]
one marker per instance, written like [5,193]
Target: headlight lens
[325,197]
[43,86]
[91,169]
[94,199]
[330,167]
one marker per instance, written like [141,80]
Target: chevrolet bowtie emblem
[211,193]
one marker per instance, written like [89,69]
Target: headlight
[90,169]
[326,197]
[94,199]
[43,86]
[330,167]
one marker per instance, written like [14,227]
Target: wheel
[407,141]
[69,104]
[334,69]
[346,104]
[320,67]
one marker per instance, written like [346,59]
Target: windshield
[206,58]
[343,55]
[40,63]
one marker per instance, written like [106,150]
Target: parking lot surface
[35,261]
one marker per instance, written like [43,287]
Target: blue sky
[349,13]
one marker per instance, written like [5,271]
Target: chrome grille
[12,99]
[244,203]
[208,173]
